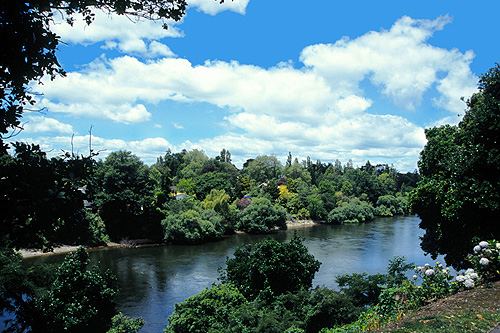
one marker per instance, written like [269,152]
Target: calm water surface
[153,279]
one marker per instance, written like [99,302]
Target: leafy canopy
[271,266]
[458,198]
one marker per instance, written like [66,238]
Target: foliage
[44,197]
[193,227]
[486,260]
[30,46]
[212,180]
[208,311]
[263,168]
[354,212]
[458,198]
[389,205]
[277,267]
[362,288]
[330,309]
[124,324]
[125,199]
[78,299]
[261,216]
[436,282]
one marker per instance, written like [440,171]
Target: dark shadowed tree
[458,198]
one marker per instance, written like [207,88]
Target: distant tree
[193,227]
[458,197]
[206,182]
[263,168]
[193,164]
[271,266]
[224,156]
[296,171]
[261,216]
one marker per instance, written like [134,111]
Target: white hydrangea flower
[468,283]
[427,265]
[460,278]
[474,276]
[430,272]
[483,244]
[498,246]
[477,248]
[484,261]
[469,271]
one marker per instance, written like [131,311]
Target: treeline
[185,197]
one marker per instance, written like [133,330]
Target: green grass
[459,321]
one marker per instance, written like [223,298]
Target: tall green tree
[458,198]
[29,46]
[125,199]
[263,169]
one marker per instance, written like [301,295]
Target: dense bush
[362,288]
[354,212]
[208,311]
[330,308]
[192,227]
[271,268]
[78,300]
[261,216]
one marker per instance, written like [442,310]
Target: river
[153,279]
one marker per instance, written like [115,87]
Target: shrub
[261,216]
[355,211]
[207,311]
[271,268]
[486,260]
[191,227]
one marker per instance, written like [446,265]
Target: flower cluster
[435,281]
[467,279]
[486,260]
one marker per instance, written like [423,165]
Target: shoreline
[65,249]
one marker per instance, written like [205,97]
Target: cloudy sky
[356,80]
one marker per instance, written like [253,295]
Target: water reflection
[153,279]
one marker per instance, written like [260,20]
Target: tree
[78,300]
[44,197]
[271,266]
[458,197]
[29,46]
[263,168]
[193,226]
[125,199]
[208,311]
[261,216]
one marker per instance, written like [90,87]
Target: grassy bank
[476,310]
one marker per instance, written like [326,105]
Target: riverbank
[475,310]
[302,223]
[63,249]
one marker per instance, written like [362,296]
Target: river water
[153,279]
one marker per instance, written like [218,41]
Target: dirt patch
[62,249]
[302,223]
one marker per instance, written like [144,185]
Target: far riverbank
[63,249]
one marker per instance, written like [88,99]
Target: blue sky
[356,80]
